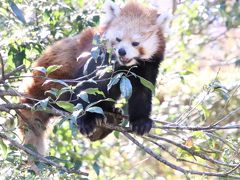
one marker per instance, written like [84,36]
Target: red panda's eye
[135,43]
[118,39]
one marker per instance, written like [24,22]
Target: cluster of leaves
[40,23]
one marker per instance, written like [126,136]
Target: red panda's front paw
[142,126]
[87,124]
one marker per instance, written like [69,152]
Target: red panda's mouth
[125,60]
[128,62]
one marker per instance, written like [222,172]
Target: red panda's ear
[163,20]
[111,10]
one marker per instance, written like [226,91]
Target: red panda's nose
[121,52]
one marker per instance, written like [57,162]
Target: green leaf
[184,73]
[73,127]
[222,90]
[95,109]
[17,11]
[44,103]
[114,80]
[224,93]
[101,100]
[84,96]
[41,69]
[80,3]
[237,63]
[55,81]
[104,71]
[80,83]
[96,40]
[77,165]
[52,68]
[85,68]
[4,149]
[95,53]
[78,107]
[116,134]
[64,90]
[65,105]
[94,91]
[96,168]
[52,91]
[147,84]
[205,111]
[41,105]
[198,134]
[125,87]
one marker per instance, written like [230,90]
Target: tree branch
[17,69]
[151,138]
[2,67]
[178,168]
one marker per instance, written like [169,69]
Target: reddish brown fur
[161,45]
[138,10]
[141,51]
[64,52]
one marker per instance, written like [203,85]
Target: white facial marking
[150,46]
[131,52]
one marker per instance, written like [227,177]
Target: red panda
[135,32]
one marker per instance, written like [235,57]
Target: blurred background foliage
[200,73]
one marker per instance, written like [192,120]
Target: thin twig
[2,67]
[189,150]
[30,125]
[194,128]
[233,169]
[9,92]
[227,116]
[175,156]
[173,166]
[17,69]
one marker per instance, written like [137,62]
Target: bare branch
[9,92]
[17,69]
[178,168]
[2,67]
[193,128]
[189,150]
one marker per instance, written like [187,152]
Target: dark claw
[87,123]
[118,111]
[142,126]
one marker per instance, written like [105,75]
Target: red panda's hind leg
[35,128]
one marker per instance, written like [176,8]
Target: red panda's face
[133,32]
[131,43]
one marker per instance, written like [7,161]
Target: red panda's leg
[34,127]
